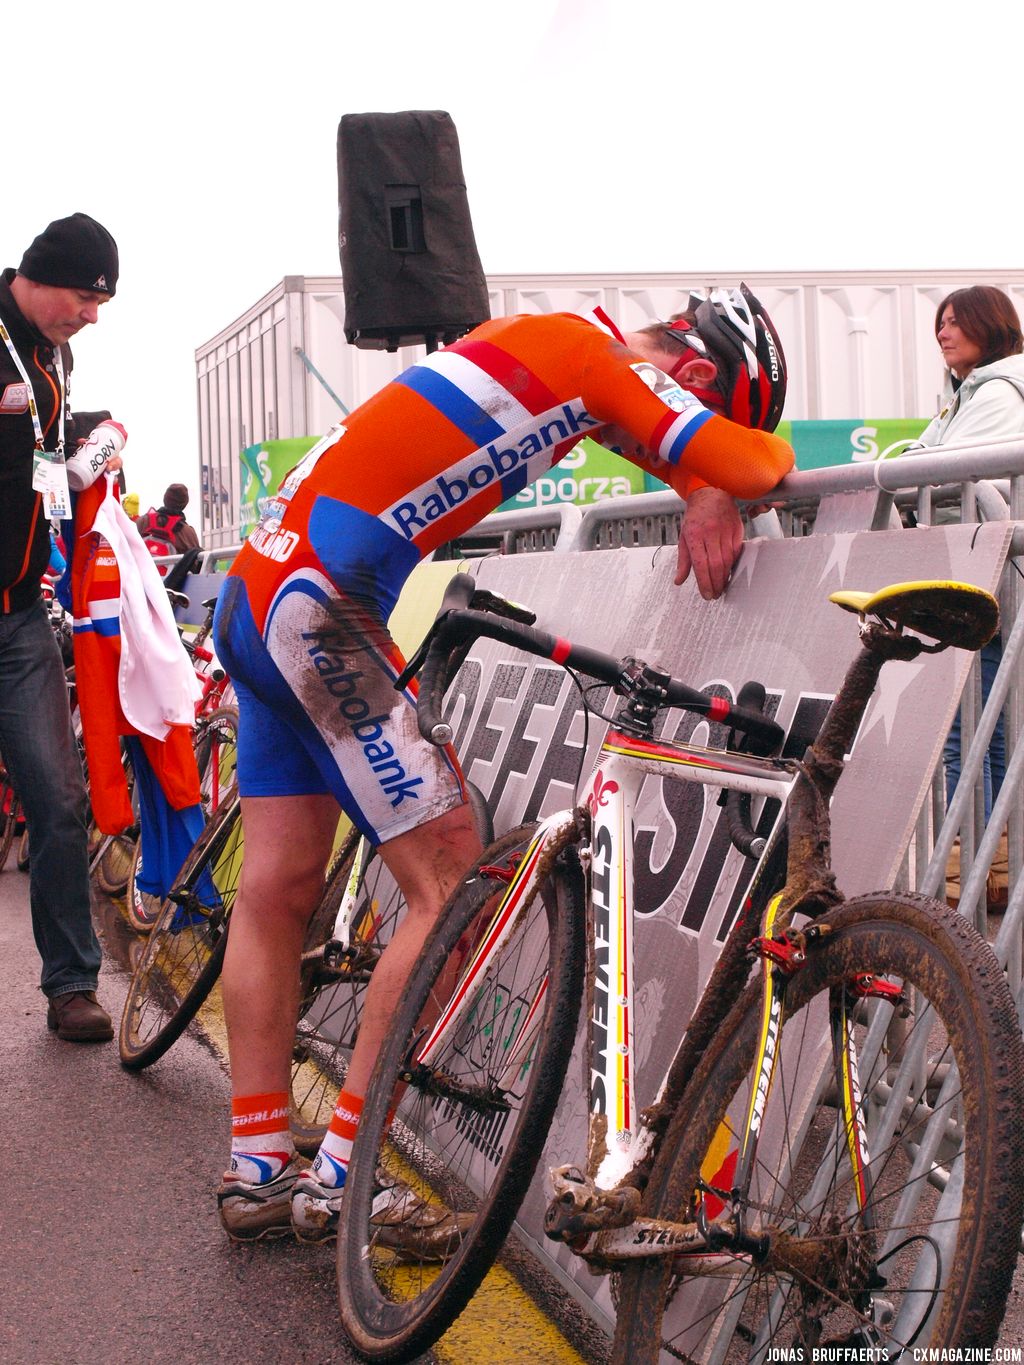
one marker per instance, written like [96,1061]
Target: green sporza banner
[855,440]
[589,473]
[263,468]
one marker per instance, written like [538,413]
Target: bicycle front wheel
[115,863]
[902,1240]
[334,982]
[457,1138]
[181,959]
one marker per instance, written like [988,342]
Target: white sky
[626,135]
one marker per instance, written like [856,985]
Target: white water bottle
[88,461]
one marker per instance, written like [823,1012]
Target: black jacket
[24,529]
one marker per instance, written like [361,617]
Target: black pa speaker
[410,269]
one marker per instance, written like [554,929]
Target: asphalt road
[110,1248]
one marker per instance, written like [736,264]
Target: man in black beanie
[64,276]
[68,271]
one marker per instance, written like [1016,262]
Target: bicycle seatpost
[810,881]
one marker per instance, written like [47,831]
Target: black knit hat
[73,253]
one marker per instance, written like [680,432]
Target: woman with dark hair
[979,334]
[980,337]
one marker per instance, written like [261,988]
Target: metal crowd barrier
[982,481]
[971,483]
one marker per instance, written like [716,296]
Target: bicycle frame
[607,812]
[764,1195]
[610,798]
[597,1213]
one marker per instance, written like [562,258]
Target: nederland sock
[331,1163]
[261,1141]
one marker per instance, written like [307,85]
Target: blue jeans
[39,747]
[995,758]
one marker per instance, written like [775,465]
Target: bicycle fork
[604,1226]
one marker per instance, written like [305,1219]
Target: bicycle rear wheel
[115,853]
[142,907]
[468,1130]
[181,959]
[334,982]
[216,747]
[924,1256]
[115,862]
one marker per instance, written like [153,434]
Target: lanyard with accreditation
[49,472]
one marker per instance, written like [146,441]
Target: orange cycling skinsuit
[301,621]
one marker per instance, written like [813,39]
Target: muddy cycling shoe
[249,1212]
[404,1222]
[412,1227]
[315,1209]
[78,1017]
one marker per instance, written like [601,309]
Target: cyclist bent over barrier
[301,628]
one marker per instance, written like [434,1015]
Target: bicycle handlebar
[454,634]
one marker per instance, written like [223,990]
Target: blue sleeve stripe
[452,402]
[107,626]
[682,432]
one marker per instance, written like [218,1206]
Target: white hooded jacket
[980,409]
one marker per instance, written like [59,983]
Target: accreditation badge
[50,478]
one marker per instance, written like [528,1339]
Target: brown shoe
[78,1017]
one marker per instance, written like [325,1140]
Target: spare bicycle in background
[11,814]
[118,862]
[114,859]
[178,964]
[835,1158]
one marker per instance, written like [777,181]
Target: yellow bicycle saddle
[952,613]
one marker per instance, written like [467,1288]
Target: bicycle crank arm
[691,1250]
[579,1207]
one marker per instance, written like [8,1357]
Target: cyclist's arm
[687,448]
[680,447]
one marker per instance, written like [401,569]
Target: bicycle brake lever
[416,662]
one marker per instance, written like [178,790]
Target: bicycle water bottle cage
[949,613]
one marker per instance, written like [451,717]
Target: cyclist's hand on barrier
[710,541]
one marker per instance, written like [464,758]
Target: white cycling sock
[330,1166]
[261,1141]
